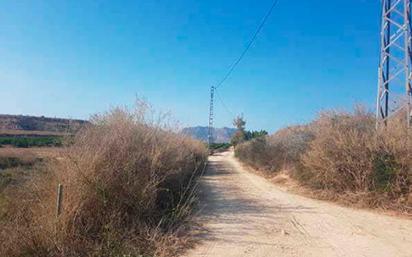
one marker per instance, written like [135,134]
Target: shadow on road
[234,208]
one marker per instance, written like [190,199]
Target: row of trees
[242,134]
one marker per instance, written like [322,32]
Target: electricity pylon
[394,77]
[210,129]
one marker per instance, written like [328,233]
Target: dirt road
[245,215]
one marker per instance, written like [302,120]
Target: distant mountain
[33,123]
[221,135]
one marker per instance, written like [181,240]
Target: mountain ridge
[10,122]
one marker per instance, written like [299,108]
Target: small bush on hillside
[126,189]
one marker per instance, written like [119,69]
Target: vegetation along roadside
[341,156]
[128,191]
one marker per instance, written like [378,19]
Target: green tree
[255,134]
[239,122]
[242,134]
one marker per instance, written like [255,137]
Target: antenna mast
[394,72]
[210,130]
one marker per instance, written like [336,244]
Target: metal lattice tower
[394,77]
[210,129]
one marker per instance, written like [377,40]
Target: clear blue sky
[76,58]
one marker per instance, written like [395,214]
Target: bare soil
[243,214]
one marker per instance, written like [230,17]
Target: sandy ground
[243,214]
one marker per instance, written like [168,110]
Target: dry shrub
[255,153]
[279,151]
[125,193]
[392,161]
[340,156]
[343,157]
[349,156]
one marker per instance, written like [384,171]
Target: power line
[233,66]
[223,104]
[230,71]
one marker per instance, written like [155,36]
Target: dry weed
[125,193]
[342,155]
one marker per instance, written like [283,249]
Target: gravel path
[245,215]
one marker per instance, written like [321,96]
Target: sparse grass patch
[11,178]
[12,162]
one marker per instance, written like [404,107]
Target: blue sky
[76,58]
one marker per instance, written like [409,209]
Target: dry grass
[279,151]
[342,157]
[348,157]
[126,193]
[341,153]
[11,157]
[17,165]
[31,153]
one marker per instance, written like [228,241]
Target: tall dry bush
[343,155]
[340,156]
[126,183]
[349,155]
[255,153]
[281,150]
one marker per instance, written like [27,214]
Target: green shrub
[384,171]
[220,146]
[28,141]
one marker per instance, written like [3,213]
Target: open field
[31,153]
[23,138]
[31,141]
[12,132]
[17,165]
[31,131]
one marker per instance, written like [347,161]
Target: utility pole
[394,73]
[210,129]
